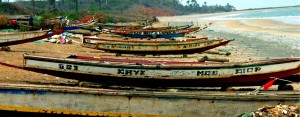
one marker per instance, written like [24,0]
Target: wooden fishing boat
[157,48]
[84,32]
[178,31]
[25,37]
[155,33]
[87,26]
[115,28]
[95,39]
[112,27]
[167,27]
[163,73]
[27,100]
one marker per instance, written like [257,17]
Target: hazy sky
[246,4]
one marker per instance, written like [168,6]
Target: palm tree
[76,5]
[229,7]
[53,5]
[33,4]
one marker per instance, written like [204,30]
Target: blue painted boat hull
[153,36]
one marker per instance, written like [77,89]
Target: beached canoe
[84,32]
[164,74]
[87,26]
[157,48]
[25,37]
[155,33]
[167,27]
[114,28]
[28,100]
[95,39]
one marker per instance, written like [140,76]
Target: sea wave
[294,20]
[291,20]
[287,16]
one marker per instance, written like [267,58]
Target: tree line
[109,10]
[119,6]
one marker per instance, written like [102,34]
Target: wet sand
[263,37]
[255,39]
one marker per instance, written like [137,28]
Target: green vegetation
[111,10]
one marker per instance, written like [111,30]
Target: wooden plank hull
[164,74]
[93,39]
[167,27]
[91,26]
[294,77]
[72,27]
[147,32]
[155,33]
[83,32]
[153,36]
[189,47]
[43,100]
[20,38]
[21,35]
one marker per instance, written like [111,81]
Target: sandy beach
[254,39]
[262,38]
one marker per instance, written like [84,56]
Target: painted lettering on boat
[207,73]
[123,47]
[131,72]
[180,73]
[247,70]
[107,46]
[67,67]
[192,45]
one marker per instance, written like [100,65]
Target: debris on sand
[278,110]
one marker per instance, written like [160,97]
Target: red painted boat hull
[16,42]
[253,80]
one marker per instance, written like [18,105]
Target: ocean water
[284,15]
[286,45]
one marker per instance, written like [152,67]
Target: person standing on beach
[31,21]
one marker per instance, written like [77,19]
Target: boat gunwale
[26,40]
[163,66]
[159,94]
[27,32]
[178,30]
[165,44]
[144,41]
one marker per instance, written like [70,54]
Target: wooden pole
[206,58]
[217,52]
[76,5]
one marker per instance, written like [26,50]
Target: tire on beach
[285,87]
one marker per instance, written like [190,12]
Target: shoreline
[254,38]
[276,35]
